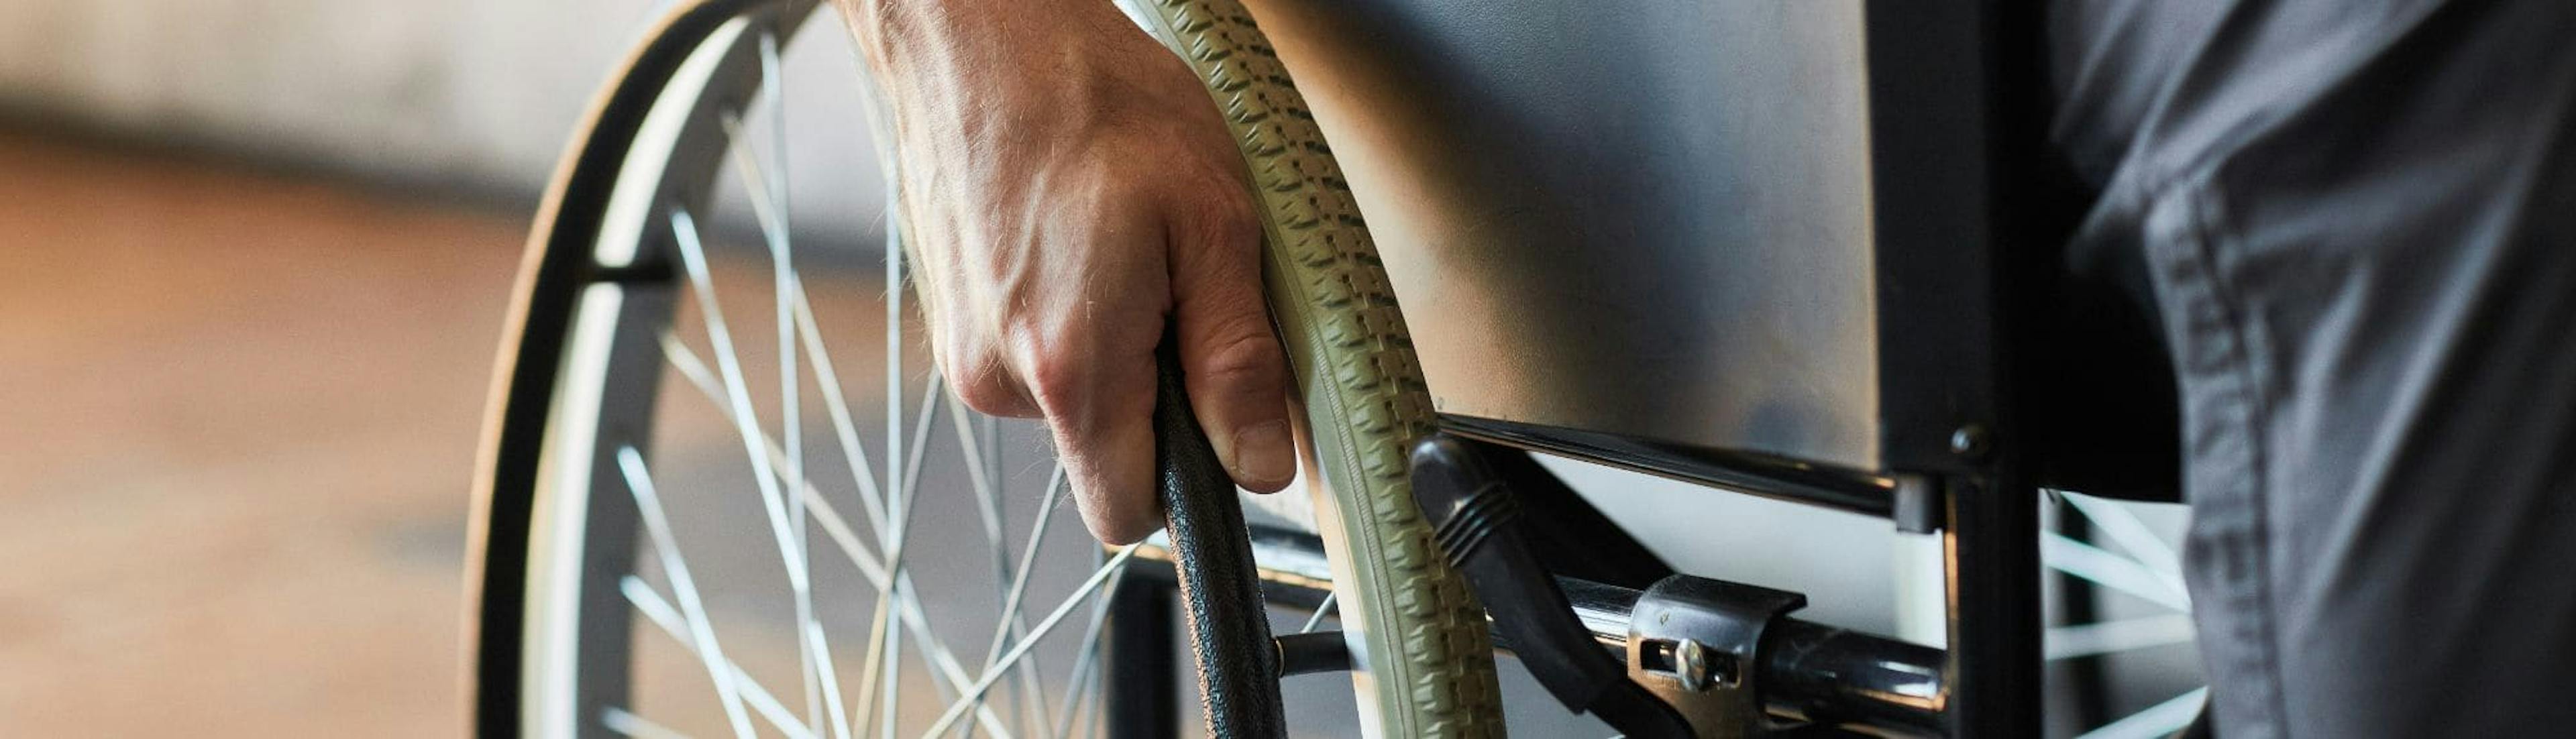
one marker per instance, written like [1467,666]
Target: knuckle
[1243,353]
[1223,214]
[986,389]
[978,377]
[988,398]
[1056,380]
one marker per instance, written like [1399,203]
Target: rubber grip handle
[1212,560]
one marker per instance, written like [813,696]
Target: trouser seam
[2205,209]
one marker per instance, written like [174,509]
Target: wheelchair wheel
[692,521]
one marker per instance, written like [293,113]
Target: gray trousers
[2356,220]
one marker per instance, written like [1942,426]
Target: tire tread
[1328,286]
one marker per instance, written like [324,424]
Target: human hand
[1067,188]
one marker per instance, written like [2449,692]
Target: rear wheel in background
[724,494]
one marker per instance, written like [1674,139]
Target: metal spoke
[759,698]
[628,724]
[737,392]
[844,428]
[701,632]
[890,639]
[909,614]
[769,207]
[2063,642]
[988,502]
[1009,624]
[868,672]
[986,481]
[825,514]
[1107,572]
[2109,570]
[897,590]
[1321,610]
[782,267]
[885,643]
[1085,672]
[2122,527]
[833,708]
[788,534]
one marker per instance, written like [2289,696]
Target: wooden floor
[237,420]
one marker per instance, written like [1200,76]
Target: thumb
[1231,362]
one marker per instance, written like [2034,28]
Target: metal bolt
[1971,441]
[1690,663]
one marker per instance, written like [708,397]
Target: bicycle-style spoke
[737,393]
[2137,562]
[908,612]
[768,196]
[1078,685]
[626,723]
[766,704]
[787,533]
[2107,637]
[1009,624]
[984,477]
[896,591]
[825,514]
[844,426]
[1108,572]
[1321,610]
[2109,570]
[888,640]
[2121,526]
[833,708]
[701,632]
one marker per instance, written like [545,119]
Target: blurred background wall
[466,96]
[474,92]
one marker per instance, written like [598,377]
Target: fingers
[1230,360]
[1101,409]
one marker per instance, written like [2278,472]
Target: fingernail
[1263,453]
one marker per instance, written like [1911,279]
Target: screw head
[1972,440]
[1690,663]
